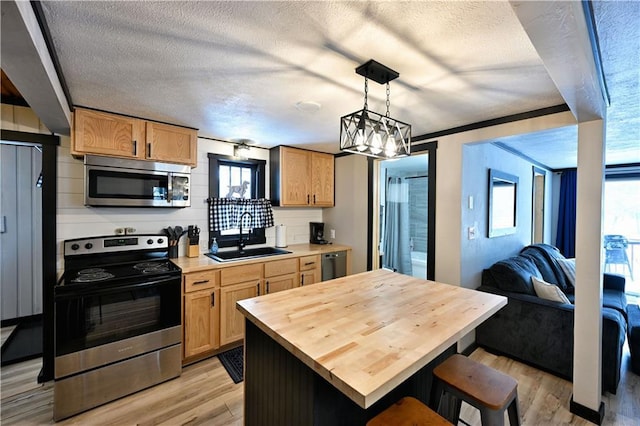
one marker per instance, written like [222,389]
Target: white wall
[349,216]
[482,252]
[75,220]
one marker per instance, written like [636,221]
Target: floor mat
[25,342]
[233,361]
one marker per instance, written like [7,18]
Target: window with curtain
[234,178]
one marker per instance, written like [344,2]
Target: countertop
[367,333]
[202,262]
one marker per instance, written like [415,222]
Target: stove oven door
[96,325]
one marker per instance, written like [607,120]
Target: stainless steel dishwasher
[334,265]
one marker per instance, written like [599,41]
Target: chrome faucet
[241,242]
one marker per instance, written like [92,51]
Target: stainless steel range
[117,320]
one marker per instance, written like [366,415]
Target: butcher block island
[344,350]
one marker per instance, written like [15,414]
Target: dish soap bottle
[214,247]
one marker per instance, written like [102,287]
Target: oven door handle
[97,291]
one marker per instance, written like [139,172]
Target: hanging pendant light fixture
[369,133]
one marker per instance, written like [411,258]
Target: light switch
[470,202]
[472,232]
[333,233]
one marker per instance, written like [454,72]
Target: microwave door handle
[169,188]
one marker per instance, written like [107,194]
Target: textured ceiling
[238,69]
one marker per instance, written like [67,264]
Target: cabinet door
[231,320]
[322,179]
[295,177]
[311,276]
[280,283]
[107,134]
[201,321]
[171,144]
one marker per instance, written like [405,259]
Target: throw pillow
[568,266]
[547,291]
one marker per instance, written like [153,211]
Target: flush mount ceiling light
[241,150]
[369,133]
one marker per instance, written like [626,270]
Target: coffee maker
[316,233]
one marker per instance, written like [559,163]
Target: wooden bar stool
[485,388]
[408,412]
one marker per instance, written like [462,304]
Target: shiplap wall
[75,220]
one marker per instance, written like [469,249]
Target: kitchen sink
[227,256]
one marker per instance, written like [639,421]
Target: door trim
[49,145]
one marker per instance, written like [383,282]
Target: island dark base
[280,390]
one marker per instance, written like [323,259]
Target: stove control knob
[75,246]
[149,241]
[160,241]
[88,246]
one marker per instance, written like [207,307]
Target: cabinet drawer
[309,262]
[238,274]
[280,267]
[201,280]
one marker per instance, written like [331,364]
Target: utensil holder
[193,251]
[173,252]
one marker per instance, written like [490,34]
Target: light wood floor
[205,394]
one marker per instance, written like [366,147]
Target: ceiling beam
[26,60]
[561,36]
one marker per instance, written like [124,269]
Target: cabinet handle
[258,287]
[307,198]
[213,299]
[309,263]
[135,148]
[201,282]
[149,150]
[267,287]
[314,198]
[302,281]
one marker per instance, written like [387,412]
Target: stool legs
[514,412]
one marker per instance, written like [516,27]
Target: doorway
[47,232]
[537,214]
[403,212]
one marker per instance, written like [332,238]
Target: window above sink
[236,178]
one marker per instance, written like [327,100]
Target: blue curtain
[566,237]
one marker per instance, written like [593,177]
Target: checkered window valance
[225,213]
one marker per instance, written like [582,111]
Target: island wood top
[369,332]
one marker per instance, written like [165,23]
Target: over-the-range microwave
[135,183]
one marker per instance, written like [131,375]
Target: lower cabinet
[201,321]
[231,320]
[280,283]
[310,272]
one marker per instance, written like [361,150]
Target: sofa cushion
[568,266]
[544,256]
[615,300]
[548,291]
[512,274]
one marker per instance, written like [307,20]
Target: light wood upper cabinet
[322,179]
[301,178]
[171,144]
[102,133]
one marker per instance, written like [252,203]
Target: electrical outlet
[119,231]
[333,233]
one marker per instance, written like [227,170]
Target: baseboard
[587,413]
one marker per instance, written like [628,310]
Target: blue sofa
[540,332]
